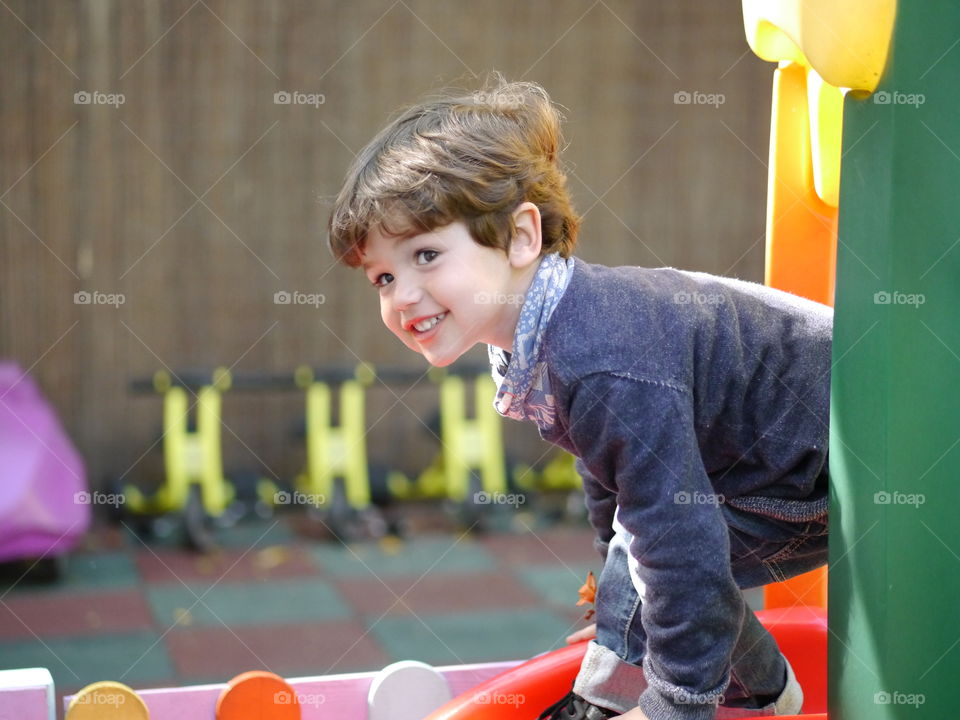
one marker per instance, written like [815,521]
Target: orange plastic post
[801,228]
[801,250]
[847,44]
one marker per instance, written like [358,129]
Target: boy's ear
[527,242]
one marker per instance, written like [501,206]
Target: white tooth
[425,325]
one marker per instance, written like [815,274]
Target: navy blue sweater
[670,384]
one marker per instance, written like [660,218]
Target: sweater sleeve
[639,436]
[601,506]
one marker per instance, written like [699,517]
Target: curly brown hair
[472,157]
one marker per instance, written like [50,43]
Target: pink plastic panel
[333,697]
[26,694]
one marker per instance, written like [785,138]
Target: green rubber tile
[435,593]
[259,534]
[168,533]
[437,554]
[557,585]
[471,637]
[101,570]
[246,604]
[131,658]
[77,571]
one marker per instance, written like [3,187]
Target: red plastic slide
[524,691]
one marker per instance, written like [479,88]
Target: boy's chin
[441,360]
[436,356]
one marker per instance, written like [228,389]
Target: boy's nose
[405,294]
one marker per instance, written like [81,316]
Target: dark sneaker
[574,707]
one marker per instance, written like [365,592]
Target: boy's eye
[426,256]
[382,279]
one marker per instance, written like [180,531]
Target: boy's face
[441,293]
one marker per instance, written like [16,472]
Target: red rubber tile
[229,565]
[217,654]
[435,593]
[105,538]
[554,546]
[26,615]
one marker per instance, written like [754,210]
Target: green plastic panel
[894,593]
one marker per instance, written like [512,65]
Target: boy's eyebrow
[400,240]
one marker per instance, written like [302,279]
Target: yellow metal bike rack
[467,444]
[190,458]
[336,451]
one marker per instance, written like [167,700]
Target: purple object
[44,503]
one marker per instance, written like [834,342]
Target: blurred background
[198,198]
[167,168]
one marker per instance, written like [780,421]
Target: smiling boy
[697,406]
[439,290]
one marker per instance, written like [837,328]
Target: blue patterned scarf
[521,377]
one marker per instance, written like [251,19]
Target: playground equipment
[337,485]
[44,502]
[194,487]
[804,176]
[892,640]
[470,469]
[337,451]
[895,374]
[485,691]
[524,691]
[896,384]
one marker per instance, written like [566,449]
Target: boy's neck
[522,280]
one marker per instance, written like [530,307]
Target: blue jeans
[761,551]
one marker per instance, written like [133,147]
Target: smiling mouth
[422,326]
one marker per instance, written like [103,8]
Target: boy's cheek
[387,321]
